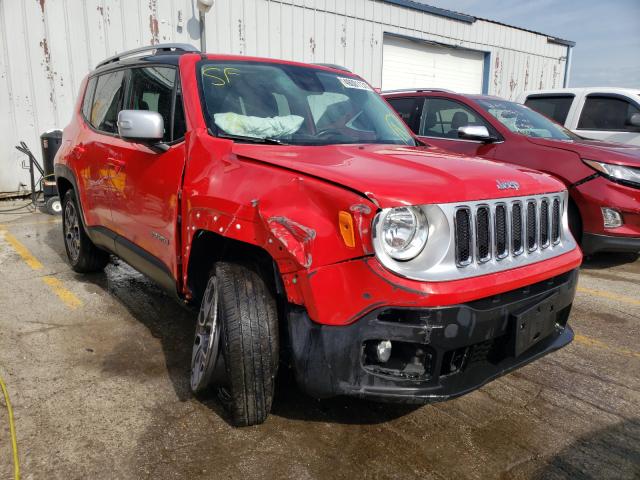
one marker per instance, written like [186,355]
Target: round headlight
[404,232]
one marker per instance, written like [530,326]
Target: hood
[616,153]
[397,175]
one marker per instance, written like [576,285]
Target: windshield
[523,120]
[295,105]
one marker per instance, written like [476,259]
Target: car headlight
[616,172]
[404,232]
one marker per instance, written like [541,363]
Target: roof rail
[403,90]
[333,65]
[163,47]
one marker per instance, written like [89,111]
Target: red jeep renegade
[292,204]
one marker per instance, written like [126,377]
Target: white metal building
[47,46]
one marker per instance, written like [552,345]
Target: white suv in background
[609,114]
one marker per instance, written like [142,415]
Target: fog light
[383,350]
[611,217]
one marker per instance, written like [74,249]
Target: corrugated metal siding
[47,46]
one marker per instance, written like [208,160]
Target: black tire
[248,342]
[83,255]
[54,206]
[575,222]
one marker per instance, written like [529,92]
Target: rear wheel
[83,255]
[235,348]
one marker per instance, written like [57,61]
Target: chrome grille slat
[555,221]
[544,223]
[517,232]
[464,236]
[499,230]
[531,226]
[483,234]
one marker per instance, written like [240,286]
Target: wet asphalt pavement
[97,371]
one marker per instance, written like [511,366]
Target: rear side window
[607,113]
[88,97]
[107,102]
[408,109]
[555,107]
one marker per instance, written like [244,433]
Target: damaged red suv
[295,208]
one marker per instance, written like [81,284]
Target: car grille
[502,229]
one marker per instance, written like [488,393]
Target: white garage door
[408,64]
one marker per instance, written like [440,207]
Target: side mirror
[142,126]
[475,132]
[634,120]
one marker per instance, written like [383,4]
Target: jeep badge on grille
[507,184]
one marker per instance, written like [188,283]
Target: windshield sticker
[220,77]
[353,83]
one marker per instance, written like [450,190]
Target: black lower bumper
[593,243]
[437,353]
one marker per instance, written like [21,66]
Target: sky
[606,32]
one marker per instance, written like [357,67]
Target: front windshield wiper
[243,138]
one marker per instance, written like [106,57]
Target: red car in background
[603,179]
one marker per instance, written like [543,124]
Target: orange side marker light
[345,220]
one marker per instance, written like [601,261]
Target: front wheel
[235,349]
[575,222]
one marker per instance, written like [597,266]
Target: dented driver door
[146,183]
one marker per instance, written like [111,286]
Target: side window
[107,102]
[442,118]
[87,101]
[555,107]
[408,109]
[607,113]
[151,88]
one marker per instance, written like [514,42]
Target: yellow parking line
[67,297]
[593,342]
[29,259]
[609,295]
[12,431]
[39,222]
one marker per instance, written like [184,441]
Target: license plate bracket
[533,324]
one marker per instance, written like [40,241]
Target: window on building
[107,102]
[607,113]
[555,107]
[442,118]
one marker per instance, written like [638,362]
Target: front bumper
[458,348]
[600,192]
[593,243]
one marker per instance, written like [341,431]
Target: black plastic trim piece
[593,243]
[328,360]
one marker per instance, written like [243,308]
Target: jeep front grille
[480,237]
[501,224]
